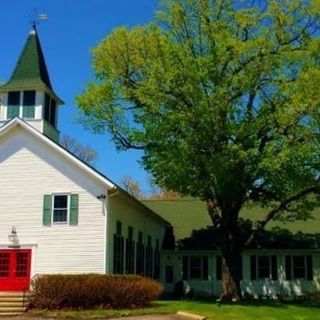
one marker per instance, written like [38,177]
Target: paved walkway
[148,317]
[153,317]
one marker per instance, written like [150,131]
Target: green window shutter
[253,267]
[309,267]
[185,268]
[219,268]
[274,268]
[205,268]
[47,207]
[288,268]
[74,209]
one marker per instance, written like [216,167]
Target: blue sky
[73,28]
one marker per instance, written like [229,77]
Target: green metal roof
[187,215]
[31,72]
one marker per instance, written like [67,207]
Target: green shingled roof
[187,215]
[31,72]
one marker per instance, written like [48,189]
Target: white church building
[57,214]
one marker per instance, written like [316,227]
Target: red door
[15,269]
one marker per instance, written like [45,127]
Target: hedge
[86,291]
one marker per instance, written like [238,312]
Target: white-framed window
[118,249]
[21,104]
[195,267]
[299,267]
[50,110]
[60,208]
[264,267]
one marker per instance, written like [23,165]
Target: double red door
[15,269]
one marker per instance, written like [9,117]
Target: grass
[269,310]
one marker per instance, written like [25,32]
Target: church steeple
[29,94]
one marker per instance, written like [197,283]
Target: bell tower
[29,94]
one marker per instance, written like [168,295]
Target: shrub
[91,290]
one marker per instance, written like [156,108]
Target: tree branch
[281,208]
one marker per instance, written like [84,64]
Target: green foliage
[275,238]
[222,96]
[59,291]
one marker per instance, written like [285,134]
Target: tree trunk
[231,272]
[226,221]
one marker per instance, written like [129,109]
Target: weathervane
[37,18]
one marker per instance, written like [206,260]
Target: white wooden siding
[129,213]
[262,287]
[28,170]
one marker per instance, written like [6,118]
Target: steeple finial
[37,18]
[33,27]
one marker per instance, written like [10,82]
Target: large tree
[223,97]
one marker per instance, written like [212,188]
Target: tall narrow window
[169,274]
[253,267]
[288,268]
[29,101]
[53,113]
[118,249]
[309,262]
[299,268]
[140,255]
[47,108]
[13,104]
[219,267]
[130,256]
[149,258]
[195,268]
[205,268]
[185,268]
[263,267]
[157,260]
[50,107]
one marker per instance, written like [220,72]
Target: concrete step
[4,295]
[10,314]
[13,299]
[13,303]
[12,309]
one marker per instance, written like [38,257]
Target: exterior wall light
[13,237]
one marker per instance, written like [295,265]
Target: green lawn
[245,311]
